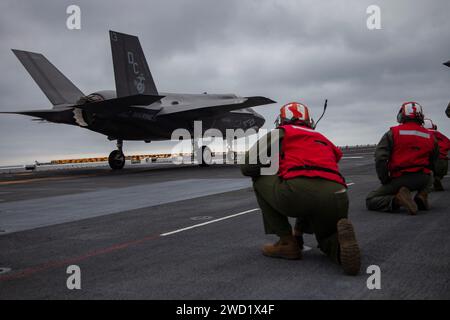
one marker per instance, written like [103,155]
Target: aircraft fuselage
[148,124]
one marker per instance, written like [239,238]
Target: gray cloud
[285,50]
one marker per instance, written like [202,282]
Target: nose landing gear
[116,158]
[206,156]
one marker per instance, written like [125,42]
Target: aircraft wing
[110,106]
[215,106]
[52,115]
[447,63]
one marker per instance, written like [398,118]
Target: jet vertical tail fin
[131,70]
[58,89]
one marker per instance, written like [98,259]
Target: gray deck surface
[112,225]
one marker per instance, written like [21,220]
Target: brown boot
[421,200]
[349,253]
[404,198]
[286,248]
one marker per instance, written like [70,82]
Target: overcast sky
[286,50]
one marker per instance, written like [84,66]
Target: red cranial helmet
[410,111]
[295,113]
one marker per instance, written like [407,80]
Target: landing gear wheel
[206,156]
[116,160]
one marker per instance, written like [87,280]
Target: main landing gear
[116,158]
[203,154]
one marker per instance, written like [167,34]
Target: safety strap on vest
[306,167]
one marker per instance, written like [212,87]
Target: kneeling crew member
[441,167]
[404,159]
[308,186]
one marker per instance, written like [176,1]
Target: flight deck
[165,231]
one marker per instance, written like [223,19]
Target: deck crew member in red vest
[404,160]
[307,186]
[441,167]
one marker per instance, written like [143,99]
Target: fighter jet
[135,110]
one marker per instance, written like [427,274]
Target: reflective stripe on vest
[414,133]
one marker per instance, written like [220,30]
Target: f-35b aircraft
[135,110]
